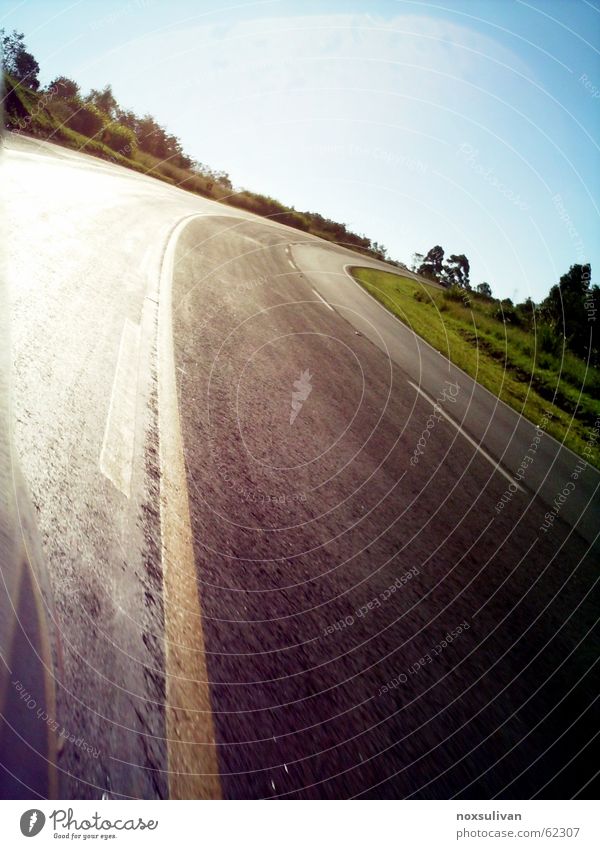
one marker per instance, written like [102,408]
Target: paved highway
[269,515]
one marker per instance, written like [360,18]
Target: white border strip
[323,300]
[464,433]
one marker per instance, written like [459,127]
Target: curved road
[257,593]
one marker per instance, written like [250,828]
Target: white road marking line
[292,264]
[324,301]
[470,439]
[116,457]
[423,341]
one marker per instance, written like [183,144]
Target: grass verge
[509,361]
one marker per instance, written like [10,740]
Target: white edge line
[469,438]
[323,300]
[499,401]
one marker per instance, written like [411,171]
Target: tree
[527,313]
[119,138]
[17,61]
[64,87]
[223,178]
[380,250]
[104,100]
[506,312]
[128,119]
[417,261]
[433,263]
[151,136]
[484,289]
[567,306]
[528,305]
[87,120]
[456,271]
[220,177]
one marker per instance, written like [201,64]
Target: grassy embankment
[513,363]
[46,116]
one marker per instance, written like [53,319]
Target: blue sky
[470,124]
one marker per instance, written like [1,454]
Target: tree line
[98,116]
[568,313]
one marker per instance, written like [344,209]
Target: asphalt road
[85,245]
[301,529]
[329,568]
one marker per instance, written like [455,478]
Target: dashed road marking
[116,456]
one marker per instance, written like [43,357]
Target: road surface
[258,594]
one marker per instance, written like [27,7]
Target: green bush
[15,107]
[120,138]
[25,110]
[86,119]
[455,293]
[269,208]
[507,314]
[292,219]
[548,340]
[61,111]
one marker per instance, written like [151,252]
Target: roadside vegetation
[534,357]
[97,124]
